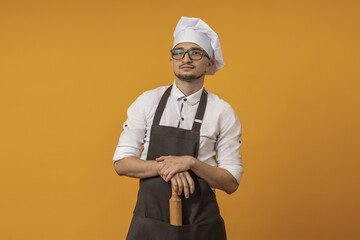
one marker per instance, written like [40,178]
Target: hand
[170,165]
[183,182]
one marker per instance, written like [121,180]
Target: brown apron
[200,212]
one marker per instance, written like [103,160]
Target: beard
[189,77]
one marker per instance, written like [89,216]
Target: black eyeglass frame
[187,51]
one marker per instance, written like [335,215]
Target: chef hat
[197,31]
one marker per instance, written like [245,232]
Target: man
[185,131]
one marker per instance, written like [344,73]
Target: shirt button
[182,119]
[185,99]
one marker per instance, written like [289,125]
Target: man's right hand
[182,181]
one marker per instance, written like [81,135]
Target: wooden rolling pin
[175,208]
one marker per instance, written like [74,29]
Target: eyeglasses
[194,54]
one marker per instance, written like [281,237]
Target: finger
[185,183]
[166,177]
[166,173]
[190,182]
[168,170]
[174,185]
[161,166]
[163,177]
[170,174]
[162,171]
[180,184]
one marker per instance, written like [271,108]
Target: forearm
[216,177]
[137,168]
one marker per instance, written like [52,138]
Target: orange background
[70,69]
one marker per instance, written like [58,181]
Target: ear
[211,63]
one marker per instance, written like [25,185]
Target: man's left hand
[170,165]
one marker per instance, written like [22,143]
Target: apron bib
[200,212]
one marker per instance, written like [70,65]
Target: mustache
[186,65]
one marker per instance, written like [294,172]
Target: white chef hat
[197,31]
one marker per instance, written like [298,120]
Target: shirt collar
[192,99]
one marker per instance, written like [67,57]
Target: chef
[190,139]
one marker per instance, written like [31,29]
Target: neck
[188,88]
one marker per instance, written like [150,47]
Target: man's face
[189,70]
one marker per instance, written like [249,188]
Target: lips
[186,67]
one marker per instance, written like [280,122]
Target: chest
[181,114]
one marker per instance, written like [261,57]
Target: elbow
[232,188]
[234,184]
[119,173]
[231,184]
[118,168]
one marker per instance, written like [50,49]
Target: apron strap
[200,112]
[161,107]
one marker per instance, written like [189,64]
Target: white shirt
[219,133]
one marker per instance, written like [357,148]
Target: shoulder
[221,111]
[150,97]
[216,103]
[225,117]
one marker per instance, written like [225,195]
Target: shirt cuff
[237,172]
[123,152]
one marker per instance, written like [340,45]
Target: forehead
[188,45]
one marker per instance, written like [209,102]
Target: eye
[178,51]
[195,52]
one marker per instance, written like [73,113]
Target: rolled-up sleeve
[132,137]
[228,144]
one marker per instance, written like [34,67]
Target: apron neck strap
[199,114]
[161,107]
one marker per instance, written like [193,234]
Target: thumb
[160,159]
